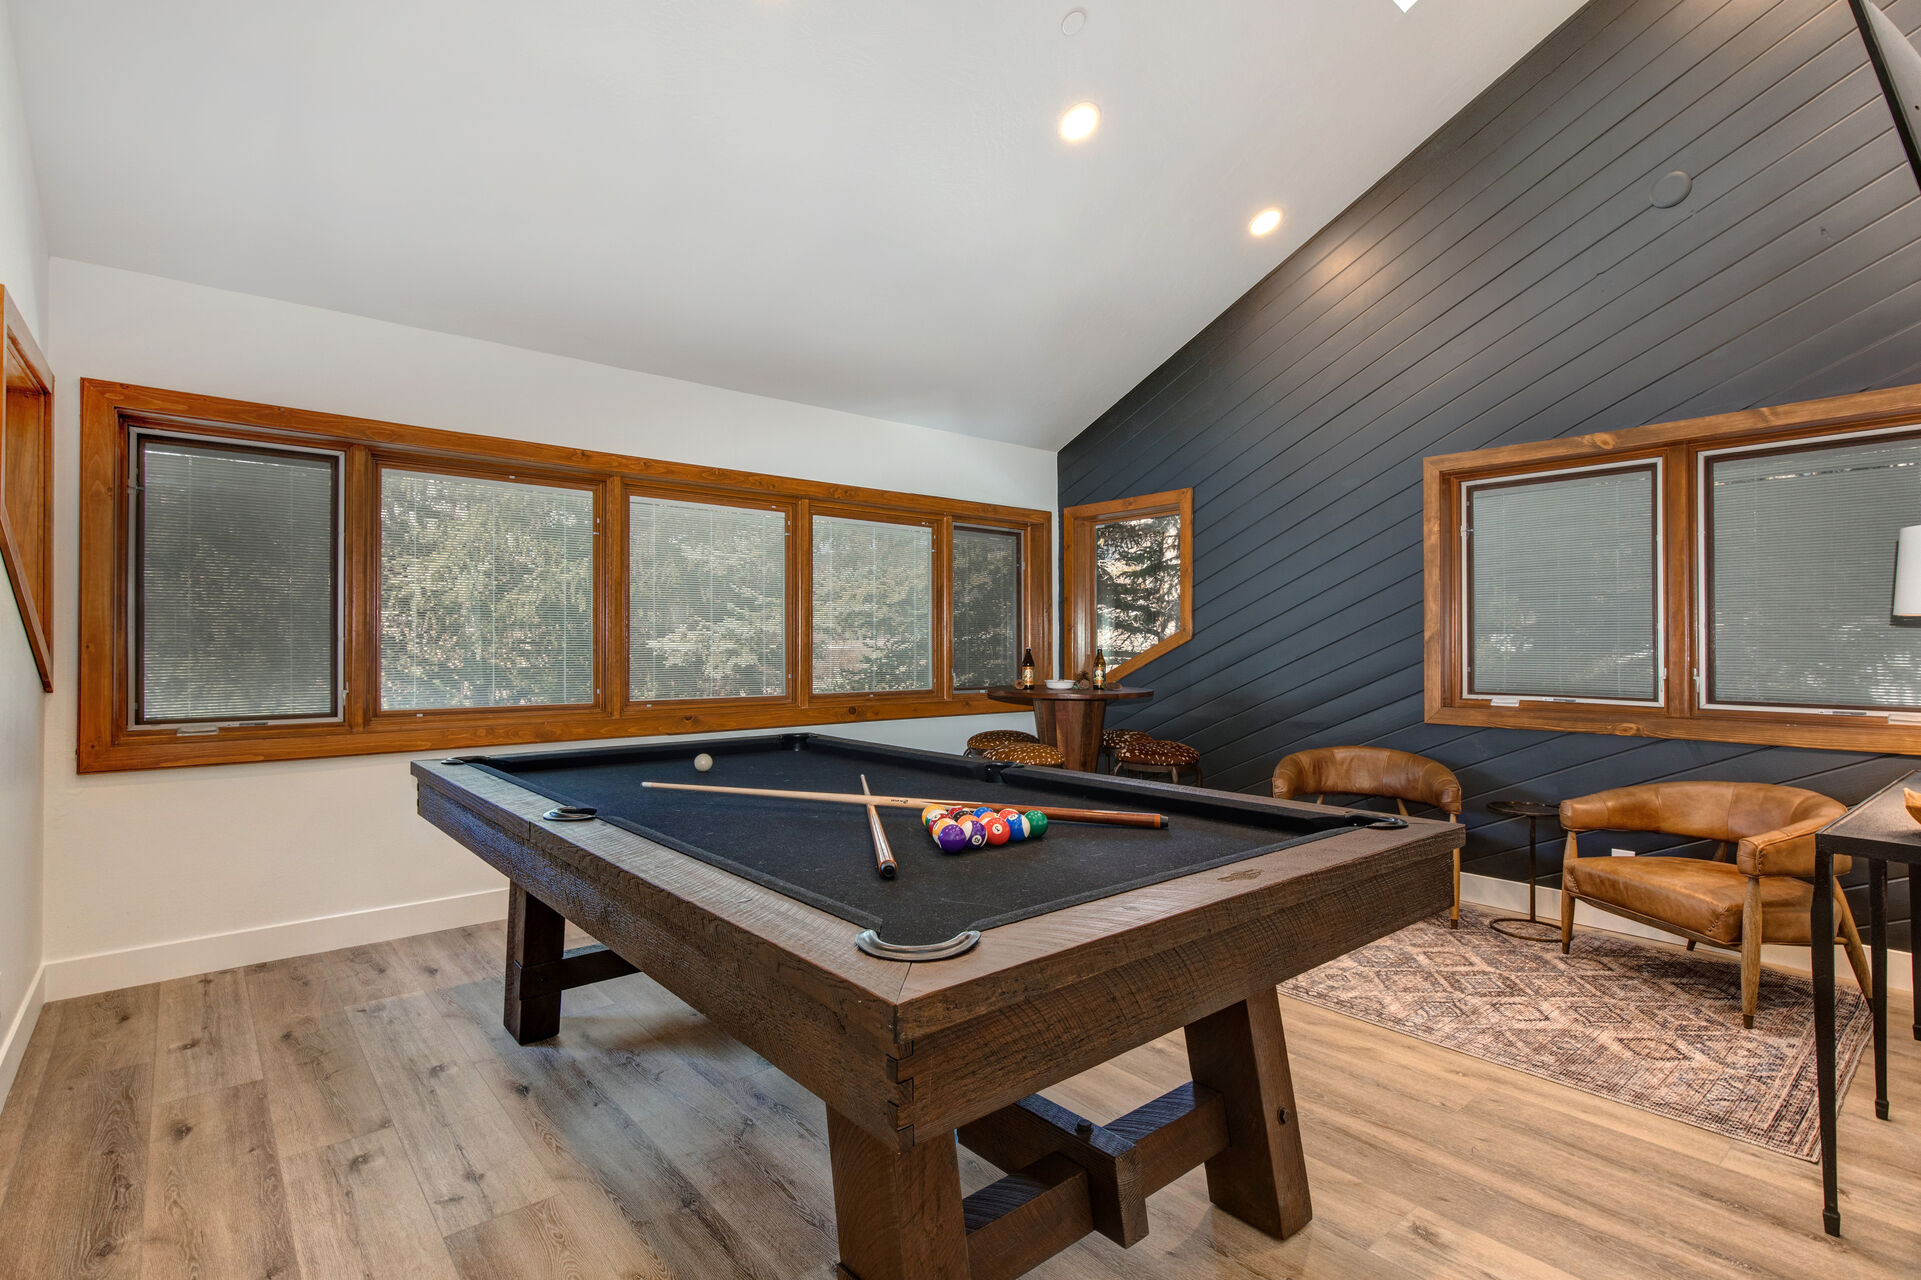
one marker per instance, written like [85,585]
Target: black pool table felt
[823,855]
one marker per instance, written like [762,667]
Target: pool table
[1061,953]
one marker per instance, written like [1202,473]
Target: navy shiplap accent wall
[1510,281]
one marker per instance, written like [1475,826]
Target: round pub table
[1531,928]
[1070,719]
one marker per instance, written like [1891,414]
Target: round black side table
[1532,928]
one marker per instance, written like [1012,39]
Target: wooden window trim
[1655,465]
[790,512]
[126,690]
[106,742]
[940,569]
[26,538]
[1680,444]
[1077,558]
[1032,624]
[367,669]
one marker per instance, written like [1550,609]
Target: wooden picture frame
[26,483]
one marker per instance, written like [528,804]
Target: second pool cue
[883,856]
[1053,813]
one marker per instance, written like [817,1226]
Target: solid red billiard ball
[997,830]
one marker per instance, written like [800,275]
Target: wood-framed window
[1726,579]
[26,482]
[1129,568]
[262,583]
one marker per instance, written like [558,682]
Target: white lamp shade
[1907,577]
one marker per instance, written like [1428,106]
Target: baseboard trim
[1511,895]
[13,1046]
[182,958]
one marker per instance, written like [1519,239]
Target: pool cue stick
[1103,817]
[883,856]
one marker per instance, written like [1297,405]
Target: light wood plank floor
[362,1114]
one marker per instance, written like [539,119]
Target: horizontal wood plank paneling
[1510,281]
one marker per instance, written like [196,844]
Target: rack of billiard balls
[960,828]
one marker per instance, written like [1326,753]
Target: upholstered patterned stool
[1157,755]
[1111,741]
[1026,753]
[981,743]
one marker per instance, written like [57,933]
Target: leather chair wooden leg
[1751,952]
[1454,912]
[1851,936]
[1567,897]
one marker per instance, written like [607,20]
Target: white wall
[177,871]
[23,271]
[23,245]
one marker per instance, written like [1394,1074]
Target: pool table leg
[1241,1053]
[898,1213]
[536,934]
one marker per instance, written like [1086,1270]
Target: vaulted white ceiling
[862,204]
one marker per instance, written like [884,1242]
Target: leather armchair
[1762,894]
[1400,776]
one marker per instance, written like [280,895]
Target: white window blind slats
[1562,587]
[1801,550]
[987,606]
[486,593]
[236,583]
[706,601]
[873,595]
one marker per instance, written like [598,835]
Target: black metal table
[1880,831]
[1533,811]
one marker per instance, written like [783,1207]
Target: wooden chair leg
[1751,952]
[1851,936]
[1454,912]
[1567,896]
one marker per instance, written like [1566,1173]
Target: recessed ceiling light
[1080,122]
[1265,221]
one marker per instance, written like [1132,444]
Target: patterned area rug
[1655,1027]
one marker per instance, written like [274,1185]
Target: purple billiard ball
[951,837]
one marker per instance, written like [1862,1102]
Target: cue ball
[703,762]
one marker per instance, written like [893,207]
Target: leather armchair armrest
[1786,852]
[1285,785]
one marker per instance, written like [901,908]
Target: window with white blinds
[1563,586]
[873,597]
[987,607]
[236,553]
[706,601]
[486,593]
[1799,549]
